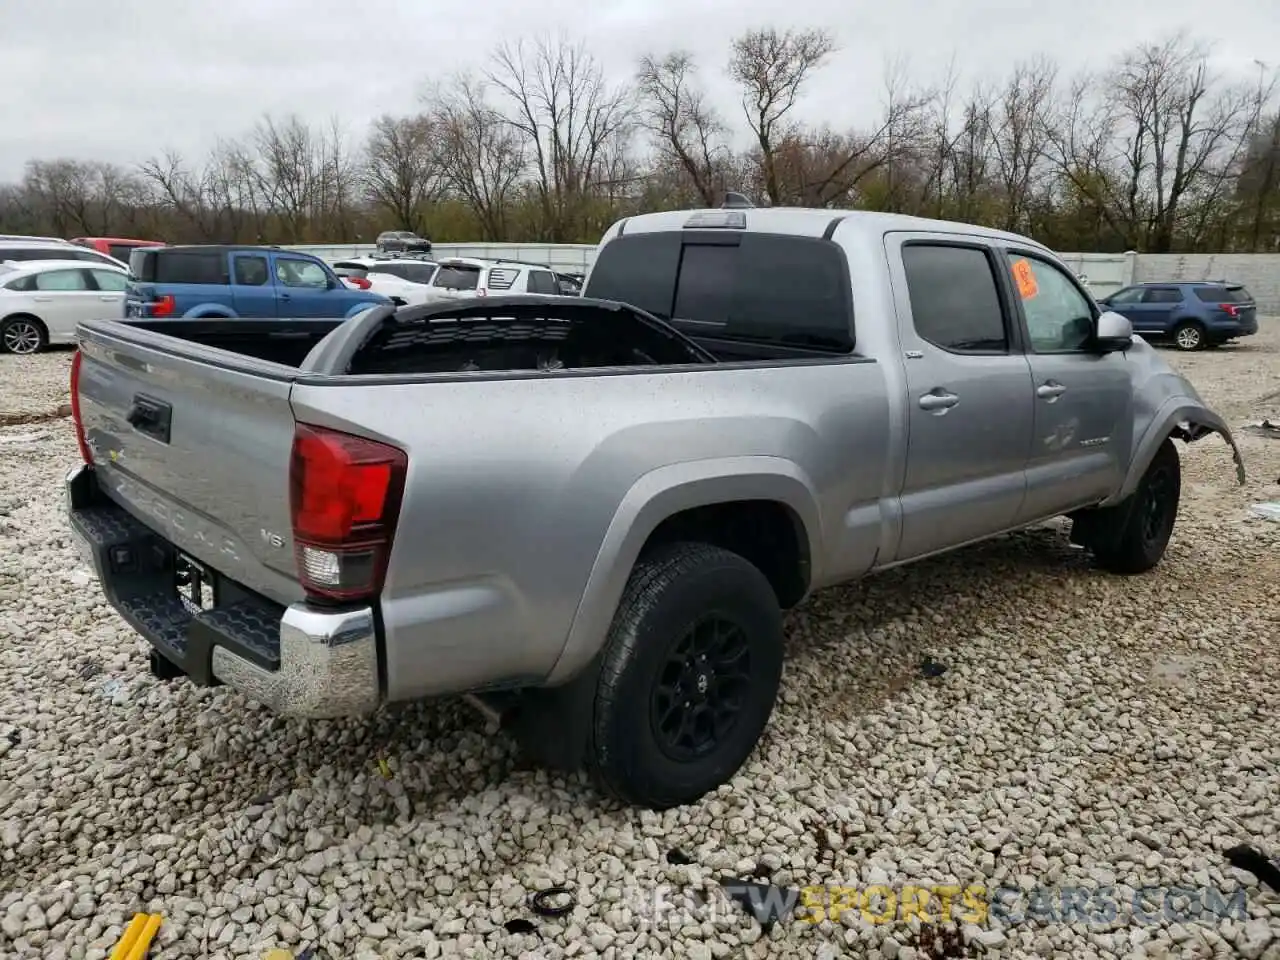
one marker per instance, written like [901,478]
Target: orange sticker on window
[1025,278]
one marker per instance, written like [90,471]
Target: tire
[23,335]
[1146,518]
[1189,336]
[683,604]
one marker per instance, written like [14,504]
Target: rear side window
[457,278]
[955,303]
[1224,294]
[793,291]
[251,271]
[64,280]
[190,267]
[1162,295]
[120,252]
[502,278]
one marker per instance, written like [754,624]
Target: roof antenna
[736,201]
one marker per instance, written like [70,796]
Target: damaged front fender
[1200,423]
[1183,418]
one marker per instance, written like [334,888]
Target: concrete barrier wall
[1259,272]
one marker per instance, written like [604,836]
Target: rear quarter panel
[523,492]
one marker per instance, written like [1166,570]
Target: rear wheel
[23,335]
[689,675]
[1188,335]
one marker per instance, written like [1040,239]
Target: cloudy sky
[122,80]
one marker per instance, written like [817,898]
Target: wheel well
[765,532]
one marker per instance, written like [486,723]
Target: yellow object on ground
[278,954]
[137,937]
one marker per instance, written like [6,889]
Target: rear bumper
[1230,329]
[298,660]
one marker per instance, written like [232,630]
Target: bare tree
[481,155]
[771,69]
[1018,123]
[685,128]
[568,119]
[403,171]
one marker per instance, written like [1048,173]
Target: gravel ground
[1088,731]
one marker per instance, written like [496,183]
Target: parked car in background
[117,247]
[402,241]
[42,301]
[4,237]
[604,503]
[1191,314]
[235,281]
[405,278]
[24,250]
[459,278]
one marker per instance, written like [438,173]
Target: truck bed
[519,436]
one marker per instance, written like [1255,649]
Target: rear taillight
[1230,309]
[344,495]
[360,282]
[81,440]
[164,306]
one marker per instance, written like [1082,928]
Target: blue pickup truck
[199,282]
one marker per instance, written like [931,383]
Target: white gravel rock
[1089,731]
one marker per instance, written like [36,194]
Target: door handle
[284,296]
[108,299]
[938,401]
[1050,391]
[43,299]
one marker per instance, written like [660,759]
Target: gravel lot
[1088,731]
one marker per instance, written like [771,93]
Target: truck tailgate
[195,443]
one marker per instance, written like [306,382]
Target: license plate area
[196,584]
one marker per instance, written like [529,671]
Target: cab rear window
[771,288]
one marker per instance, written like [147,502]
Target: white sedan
[406,278]
[42,301]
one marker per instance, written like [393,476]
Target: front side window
[955,303]
[1128,295]
[301,273]
[1059,316]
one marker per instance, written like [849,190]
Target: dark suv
[402,241]
[1193,315]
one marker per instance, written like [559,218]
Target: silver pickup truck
[589,513]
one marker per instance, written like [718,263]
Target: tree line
[1156,154]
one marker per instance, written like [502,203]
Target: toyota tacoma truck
[588,514]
